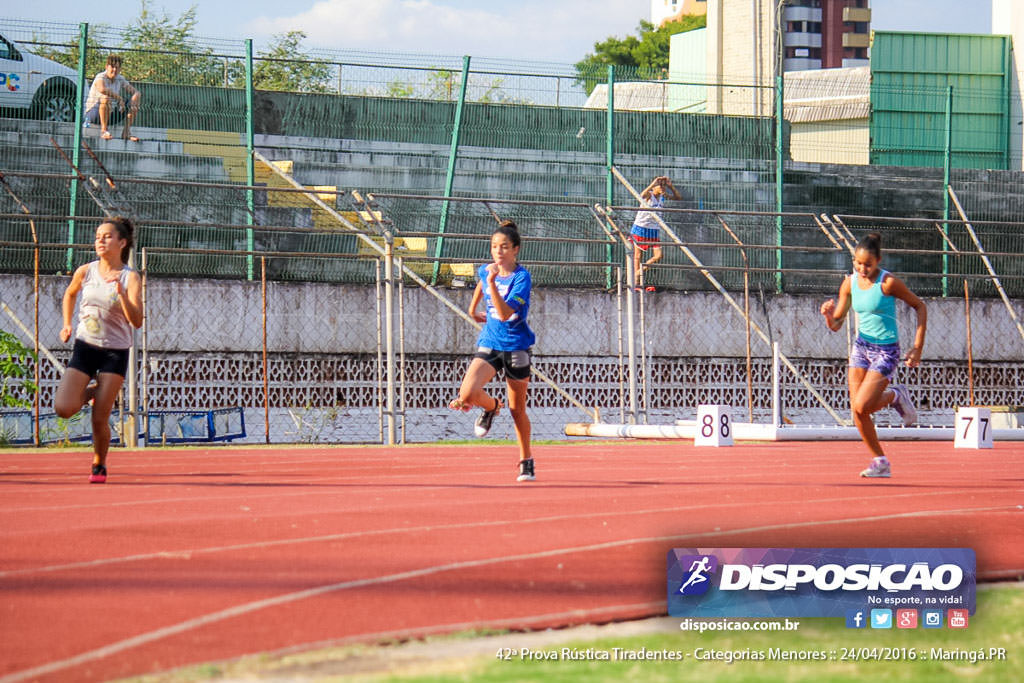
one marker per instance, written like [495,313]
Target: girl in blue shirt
[504,342]
[876,353]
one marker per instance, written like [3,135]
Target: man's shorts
[643,238]
[881,358]
[92,115]
[93,360]
[515,364]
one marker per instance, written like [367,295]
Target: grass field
[847,654]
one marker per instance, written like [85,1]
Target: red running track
[193,555]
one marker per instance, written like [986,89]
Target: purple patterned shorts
[882,358]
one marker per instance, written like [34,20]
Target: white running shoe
[878,469]
[903,405]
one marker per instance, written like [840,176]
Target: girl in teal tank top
[872,293]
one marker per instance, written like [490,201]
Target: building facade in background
[1008,19]
[825,34]
[672,10]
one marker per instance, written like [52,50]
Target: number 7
[969,420]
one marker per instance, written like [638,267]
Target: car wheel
[54,103]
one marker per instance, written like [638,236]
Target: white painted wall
[1008,19]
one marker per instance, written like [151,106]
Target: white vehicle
[40,86]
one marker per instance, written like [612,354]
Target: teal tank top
[876,312]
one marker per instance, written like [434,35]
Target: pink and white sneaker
[878,469]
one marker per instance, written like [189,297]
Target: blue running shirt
[512,334]
[876,312]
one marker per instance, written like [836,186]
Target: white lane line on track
[246,608]
[678,479]
[188,553]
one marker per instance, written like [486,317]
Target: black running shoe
[483,423]
[526,470]
[99,474]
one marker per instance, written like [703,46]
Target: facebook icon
[855,618]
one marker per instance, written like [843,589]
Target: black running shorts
[93,360]
[515,364]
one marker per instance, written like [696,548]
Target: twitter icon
[881,618]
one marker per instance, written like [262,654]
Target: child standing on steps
[504,343]
[646,231]
[872,292]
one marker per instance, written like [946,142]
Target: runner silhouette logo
[697,578]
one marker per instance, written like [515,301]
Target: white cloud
[530,30]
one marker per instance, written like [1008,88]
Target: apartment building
[825,34]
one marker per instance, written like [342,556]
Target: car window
[8,51]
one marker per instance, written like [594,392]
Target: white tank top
[101,322]
[648,219]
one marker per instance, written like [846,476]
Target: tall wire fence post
[449,181]
[380,350]
[144,332]
[83,46]
[631,336]
[37,375]
[131,436]
[266,376]
[947,164]
[970,346]
[779,176]
[776,388]
[250,161]
[609,190]
[622,373]
[389,330]
[746,315]
[645,361]
[401,349]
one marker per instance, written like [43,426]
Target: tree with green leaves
[284,66]
[643,57]
[95,56]
[16,384]
[159,48]
[162,49]
[155,48]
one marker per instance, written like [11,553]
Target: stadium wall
[204,351]
[225,315]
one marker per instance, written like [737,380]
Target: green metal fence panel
[911,74]
[382,122]
[194,107]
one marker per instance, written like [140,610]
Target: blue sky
[536,30]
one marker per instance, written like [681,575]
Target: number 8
[708,428]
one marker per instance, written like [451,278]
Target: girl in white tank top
[101,320]
[111,305]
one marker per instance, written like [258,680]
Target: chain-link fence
[323,346]
[285,180]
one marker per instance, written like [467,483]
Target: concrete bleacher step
[404,246]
